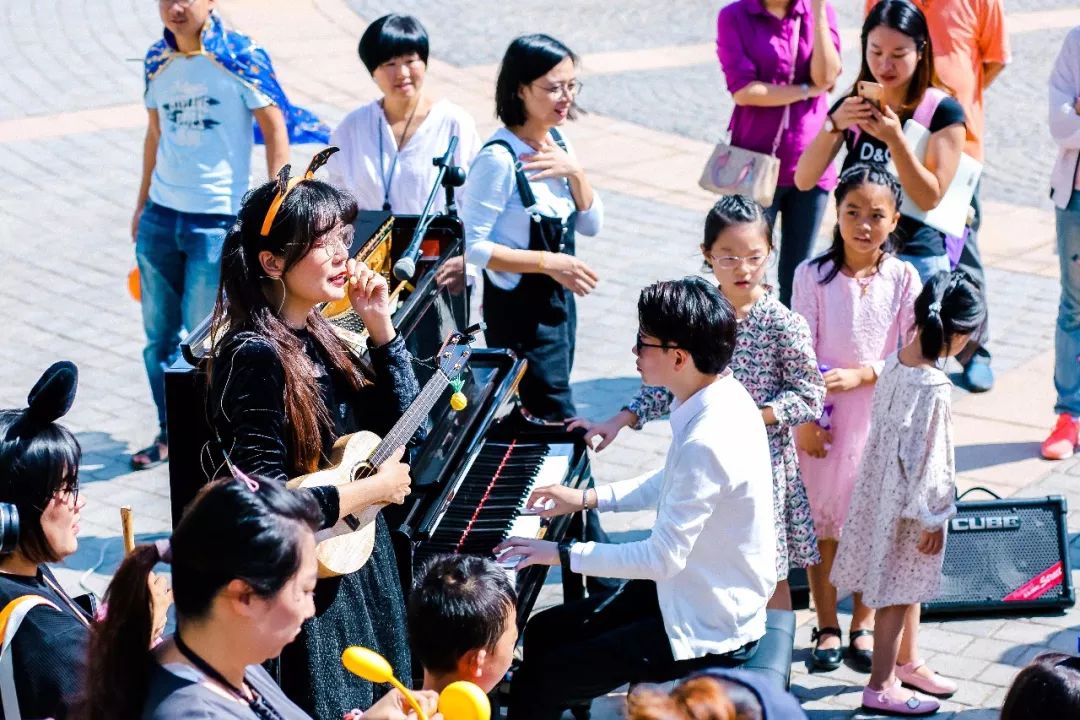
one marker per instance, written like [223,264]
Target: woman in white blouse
[387,145]
[525,197]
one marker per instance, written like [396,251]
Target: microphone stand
[448,177]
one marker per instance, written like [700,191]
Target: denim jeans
[971,263]
[927,265]
[179,258]
[800,217]
[1067,336]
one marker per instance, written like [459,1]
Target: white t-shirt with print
[204,155]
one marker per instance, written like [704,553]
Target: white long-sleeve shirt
[712,549]
[357,167]
[1064,121]
[493,213]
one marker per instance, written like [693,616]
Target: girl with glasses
[774,360]
[526,197]
[283,388]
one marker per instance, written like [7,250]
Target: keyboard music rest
[454,461]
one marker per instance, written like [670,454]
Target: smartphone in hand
[873,92]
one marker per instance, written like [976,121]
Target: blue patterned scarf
[249,63]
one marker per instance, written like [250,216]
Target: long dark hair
[855,176]
[309,211]
[904,17]
[949,305]
[229,532]
[527,58]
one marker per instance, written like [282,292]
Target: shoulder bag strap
[791,80]
[524,191]
[924,111]
[11,618]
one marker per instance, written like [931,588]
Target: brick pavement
[71,141]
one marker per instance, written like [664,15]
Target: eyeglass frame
[638,344]
[562,89]
[182,3]
[332,247]
[71,487]
[739,260]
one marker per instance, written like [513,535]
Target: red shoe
[1061,443]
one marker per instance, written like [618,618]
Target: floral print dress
[905,485]
[774,360]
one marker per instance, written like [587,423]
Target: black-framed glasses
[67,494]
[639,343]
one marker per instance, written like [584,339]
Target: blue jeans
[800,217]
[179,257]
[1067,336]
[927,265]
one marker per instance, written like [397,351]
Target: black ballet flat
[860,660]
[825,660]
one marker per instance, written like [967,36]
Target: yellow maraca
[460,700]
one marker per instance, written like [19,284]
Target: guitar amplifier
[1005,554]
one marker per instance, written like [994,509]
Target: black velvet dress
[247,412]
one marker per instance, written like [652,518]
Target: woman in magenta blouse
[754,42]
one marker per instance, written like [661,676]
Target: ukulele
[345,547]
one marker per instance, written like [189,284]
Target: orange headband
[286,185]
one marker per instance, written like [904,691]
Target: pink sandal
[935,685]
[891,702]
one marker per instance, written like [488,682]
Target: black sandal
[829,659]
[860,660]
[155,454]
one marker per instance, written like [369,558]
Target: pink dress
[905,486]
[853,324]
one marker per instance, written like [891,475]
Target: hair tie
[251,483]
[164,550]
[934,308]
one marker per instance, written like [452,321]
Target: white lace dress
[905,484]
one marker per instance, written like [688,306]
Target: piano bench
[773,654]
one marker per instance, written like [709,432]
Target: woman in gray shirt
[244,572]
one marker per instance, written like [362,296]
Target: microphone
[461,700]
[405,267]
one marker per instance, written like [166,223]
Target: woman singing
[525,198]
[283,389]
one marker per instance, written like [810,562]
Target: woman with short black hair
[39,476]
[526,197]
[387,145]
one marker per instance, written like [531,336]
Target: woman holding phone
[779,58]
[898,67]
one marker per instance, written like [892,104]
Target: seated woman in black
[244,570]
[283,388]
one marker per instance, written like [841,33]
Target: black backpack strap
[558,138]
[524,190]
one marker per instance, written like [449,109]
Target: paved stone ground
[71,127]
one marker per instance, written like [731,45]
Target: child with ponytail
[894,539]
[244,572]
